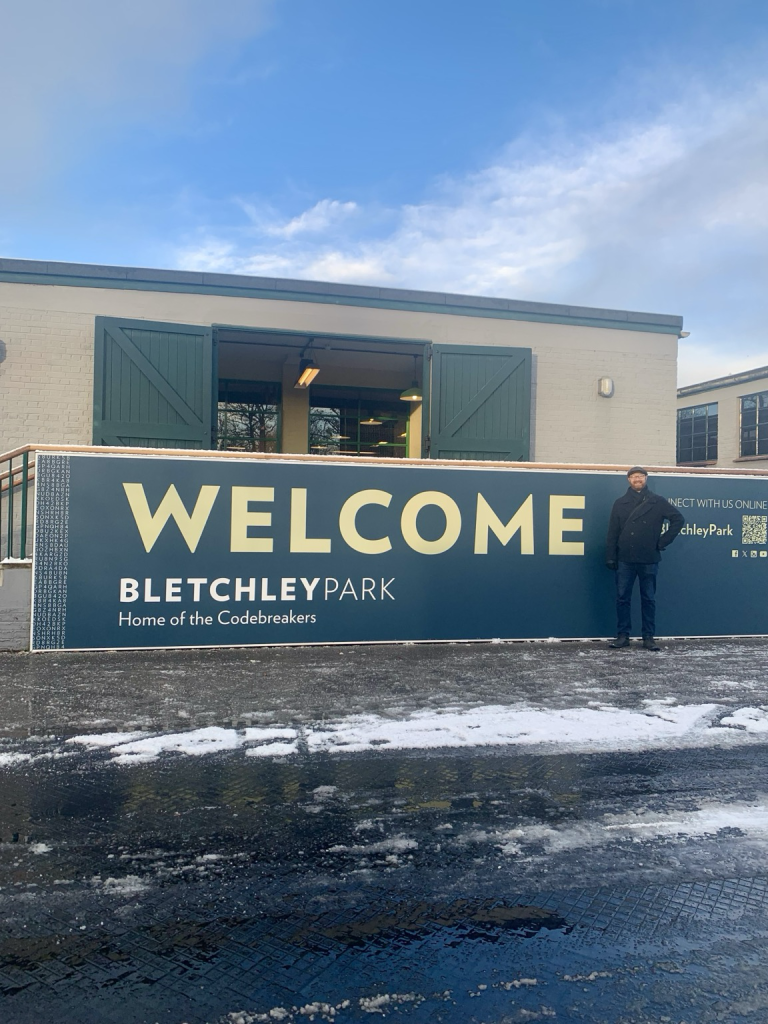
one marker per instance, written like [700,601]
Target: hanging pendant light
[413,393]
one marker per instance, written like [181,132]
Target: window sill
[711,462]
[752,458]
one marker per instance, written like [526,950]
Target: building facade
[174,359]
[724,422]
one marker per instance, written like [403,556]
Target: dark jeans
[625,582]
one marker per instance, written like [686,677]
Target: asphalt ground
[585,881]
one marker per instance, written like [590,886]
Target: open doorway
[353,406]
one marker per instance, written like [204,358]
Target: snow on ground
[132,748]
[748,819]
[595,728]
[6,760]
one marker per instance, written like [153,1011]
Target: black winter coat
[634,529]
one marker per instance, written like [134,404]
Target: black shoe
[649,644]
[622,640]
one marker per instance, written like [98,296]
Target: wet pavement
[281,835]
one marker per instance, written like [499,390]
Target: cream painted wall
[46,379]
[729,420]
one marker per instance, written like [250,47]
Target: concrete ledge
[15,605]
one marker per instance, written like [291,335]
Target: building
[172,359]
[724,422]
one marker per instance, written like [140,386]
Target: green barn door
[152,385]
[480,403]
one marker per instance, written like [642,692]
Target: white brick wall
[46,380]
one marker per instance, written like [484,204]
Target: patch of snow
[6,760]
[397,844]
[753,720]
[128,885]
[603,728]
[377,1004]
[263,734]
[273,750]
[659,723]
[39,848]
[195,742]
[750,819]
[587,977]
[106,739]
[324,792]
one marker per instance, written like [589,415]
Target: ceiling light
[413,393]
[307,373]
[370,422]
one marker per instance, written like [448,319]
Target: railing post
[9,547]
[24,487]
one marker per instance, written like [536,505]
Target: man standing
[633,549]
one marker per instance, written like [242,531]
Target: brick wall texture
[46,378]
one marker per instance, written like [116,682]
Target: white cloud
[69,71]
[667,215]
[321,217]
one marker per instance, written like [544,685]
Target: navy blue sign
[150,551]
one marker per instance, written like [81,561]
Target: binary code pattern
[51,552]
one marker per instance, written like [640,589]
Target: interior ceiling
[285,346]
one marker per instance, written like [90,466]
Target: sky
[610,153]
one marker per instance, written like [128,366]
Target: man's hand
[612,565]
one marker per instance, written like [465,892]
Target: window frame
[710,435]
[758,423]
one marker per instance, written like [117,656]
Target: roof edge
[196,282]
[730,381]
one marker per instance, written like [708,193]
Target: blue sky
[599,152]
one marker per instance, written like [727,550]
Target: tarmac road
[459,833]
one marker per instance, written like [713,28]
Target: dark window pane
[685,414]
[699,454]
[248,415]
[685,428]
[349,421]
[712,449]
[748,448]
[712,409]
[749,402]
[699,410]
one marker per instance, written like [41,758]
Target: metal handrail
[15,481]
